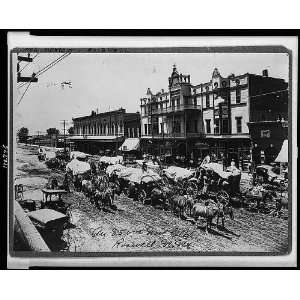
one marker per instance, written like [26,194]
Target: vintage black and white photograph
[153,151]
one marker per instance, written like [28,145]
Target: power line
[29,62]
[43,70]
[24,92]
[49,66]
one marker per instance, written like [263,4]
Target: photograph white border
[24,39]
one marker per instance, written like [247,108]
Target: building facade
[222,116]
[171,120]
[235,108]
[104,132]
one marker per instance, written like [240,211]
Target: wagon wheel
[193,186]
[165,180]
[142,196]
[223,197]
[126,192]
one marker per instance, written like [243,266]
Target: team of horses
[102,189]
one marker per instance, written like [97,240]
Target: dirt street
[138,227]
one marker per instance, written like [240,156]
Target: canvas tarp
[138,175]
[75,154]
[78,167]
[217,168]
[130,144]
[284,153]
[177,173]
[111,160]
[115,168]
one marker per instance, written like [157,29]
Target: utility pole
[38,132]
[64,123]
[21,78]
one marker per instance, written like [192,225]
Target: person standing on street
[270,154]
[256,155]
[144,167]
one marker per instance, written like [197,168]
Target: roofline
[101,114]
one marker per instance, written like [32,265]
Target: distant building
[53,140]
[104,132]
[221,116]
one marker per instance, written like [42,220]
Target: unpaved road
[138,227]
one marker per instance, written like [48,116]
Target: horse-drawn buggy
[211,181]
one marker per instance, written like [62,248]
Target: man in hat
[144,166]
[256,155]
[270,154]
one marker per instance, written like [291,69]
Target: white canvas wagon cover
[284,153]
[130,144]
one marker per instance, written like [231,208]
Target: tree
[51,131]
[71,130]
[23,134]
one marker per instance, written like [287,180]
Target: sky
[108,81]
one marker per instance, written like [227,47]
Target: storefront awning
[130,144]
[228,136]
[95,138]
[200,145]
[283,155]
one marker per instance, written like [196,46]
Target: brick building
[171,120]
[221,116]
[104,132]
[236,107]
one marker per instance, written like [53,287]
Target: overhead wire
[24,92]
[49,66]
[28,63]
[43,70]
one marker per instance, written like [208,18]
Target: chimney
[265,73]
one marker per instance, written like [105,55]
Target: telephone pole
[64,123]
[38,133]
[21,78]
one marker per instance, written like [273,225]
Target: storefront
[97,145]
[238,149]
[131,149]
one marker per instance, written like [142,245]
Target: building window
[145,129]
[217,126]
[225,127]
[265,133]
[208,129]
[207,100]
[238,124]
[238,96]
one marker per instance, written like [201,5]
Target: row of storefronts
[223,117]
